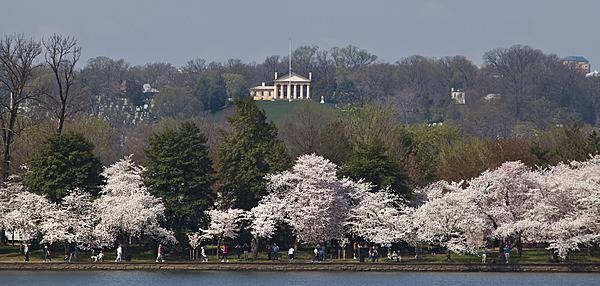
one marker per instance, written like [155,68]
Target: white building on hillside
[288,87]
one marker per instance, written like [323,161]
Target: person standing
[268,249]
[275,251]
[238,251]
[47,256]
[119,254]
[159,253]
[506,250]
[484,254]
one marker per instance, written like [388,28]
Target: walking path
[300,266]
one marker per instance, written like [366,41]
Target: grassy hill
[276,111]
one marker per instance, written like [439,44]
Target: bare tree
[17,72]
[62,54]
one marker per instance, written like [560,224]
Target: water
[140,278]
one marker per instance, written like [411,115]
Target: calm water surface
[139,278]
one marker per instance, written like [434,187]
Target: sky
[179,30]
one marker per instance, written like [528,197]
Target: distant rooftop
[577,59]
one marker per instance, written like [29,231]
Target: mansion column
[295,91]
[289,91]
[280,91]
[308,91]
[301,91]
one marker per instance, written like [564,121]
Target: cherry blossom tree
[126,209]
[567,210]
[314,202]
[504,197]
[194,239]
[223,225]
[71,221]
[25,214]
[264,219]
[450,221]
[7,191]
[380,218]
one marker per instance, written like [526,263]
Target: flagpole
[290,71]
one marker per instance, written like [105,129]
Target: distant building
[592,74]
[289,87]
[458,96]
[492,96]
[580,62]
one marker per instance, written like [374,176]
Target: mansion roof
[294,78]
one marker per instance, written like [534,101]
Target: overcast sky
[176,31]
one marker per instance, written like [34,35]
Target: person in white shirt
[119,254]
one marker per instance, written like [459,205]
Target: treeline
[393,125]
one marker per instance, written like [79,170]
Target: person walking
[47,256]
[322,253]
[224,252]
[291,253]
[100,256]
[203,254]
[119,254]
[159,253]
[316,252]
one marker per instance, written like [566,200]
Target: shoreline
[297,266]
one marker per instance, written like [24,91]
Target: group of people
[319,252]
[361,252]
[505,250]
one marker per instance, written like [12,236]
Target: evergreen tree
[180,172]
[65,162]
[247,153]
[373,163]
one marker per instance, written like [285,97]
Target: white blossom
[380,217]
[224,224]
[313,201]
[126,208]
[71,221]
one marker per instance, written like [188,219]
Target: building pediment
[294,78]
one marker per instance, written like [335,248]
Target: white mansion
[289,87]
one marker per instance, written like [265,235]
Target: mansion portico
[289,87]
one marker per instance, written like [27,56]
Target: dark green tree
[211,91]
[248,152]
[65,162]
[373,163]
[179,171]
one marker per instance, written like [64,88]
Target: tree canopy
[179,171]
[65,162]
[248,152]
